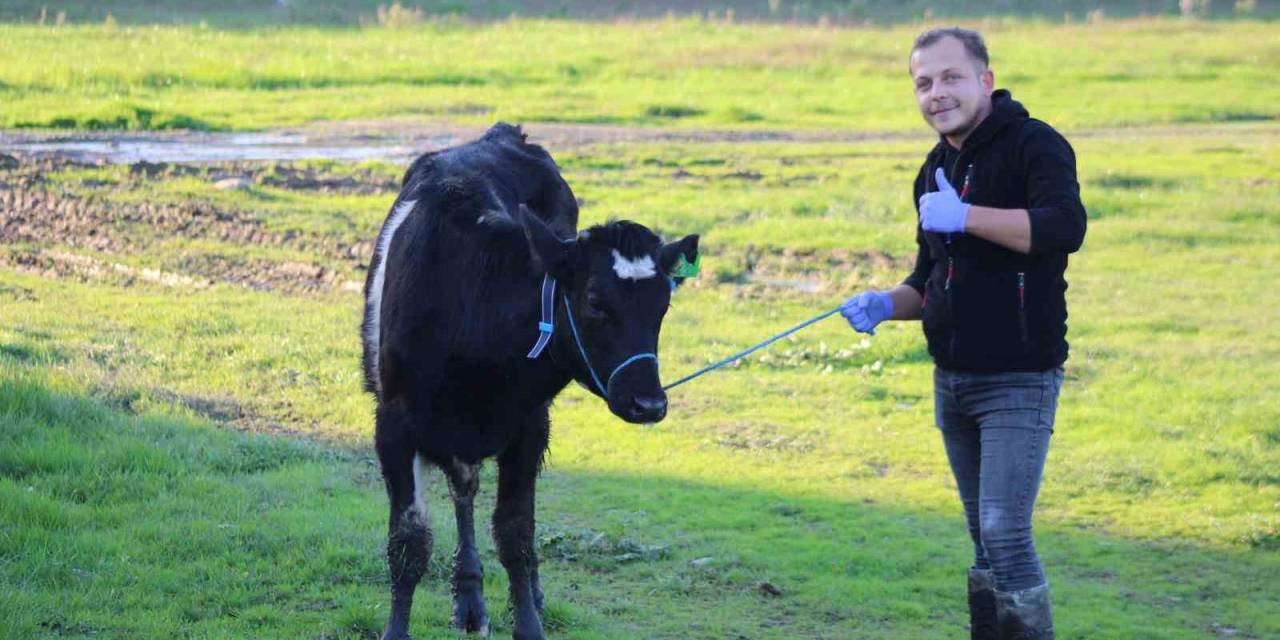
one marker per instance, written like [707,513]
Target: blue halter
[547,326]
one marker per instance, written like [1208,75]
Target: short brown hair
[972,41]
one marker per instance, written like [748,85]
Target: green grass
[196,462]
[813,466]
[257,13]
[676,73]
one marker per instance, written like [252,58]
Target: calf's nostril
[648,405]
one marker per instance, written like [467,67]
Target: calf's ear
[550,254]
[680,259]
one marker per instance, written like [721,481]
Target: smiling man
[999,210]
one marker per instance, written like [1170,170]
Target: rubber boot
[1024,615]
[982,604]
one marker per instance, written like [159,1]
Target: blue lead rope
[746,352]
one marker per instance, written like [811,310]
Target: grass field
[184,445]
[685,73]
[241,14]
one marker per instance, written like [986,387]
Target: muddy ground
[396,140]
[74,228]
[49,228]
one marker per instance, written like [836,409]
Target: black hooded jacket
[988,308]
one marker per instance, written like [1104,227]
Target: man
[999,210]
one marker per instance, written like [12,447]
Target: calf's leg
[408,534]
[513,526]
[467,581]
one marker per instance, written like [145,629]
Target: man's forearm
[906,303]
[1009,228]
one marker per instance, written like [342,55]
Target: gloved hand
[942,211]
[867,309]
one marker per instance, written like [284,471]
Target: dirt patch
[597,549]
[62,264]
[398,140]
[402,139]
[360,181]
[757,436]
[66,218]
[19,294]
[266,275]
[560,136]
[36,215]
[36,212]
[196,272]
[282,175]
[764,271]
[792,260]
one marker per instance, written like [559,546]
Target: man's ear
[669,258]
[550,254]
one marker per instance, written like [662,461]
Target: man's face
[952,89]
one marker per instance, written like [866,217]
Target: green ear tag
[684,269]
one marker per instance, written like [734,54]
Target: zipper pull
[1022,290]
[951,272]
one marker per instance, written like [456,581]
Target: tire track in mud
[52,229]
[48,230]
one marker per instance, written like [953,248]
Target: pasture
[184,446]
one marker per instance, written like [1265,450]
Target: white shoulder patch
[374,335]
[637,269]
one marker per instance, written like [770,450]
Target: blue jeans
[996,429]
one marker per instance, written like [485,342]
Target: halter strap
[568,312]
[635,358]
[547,326]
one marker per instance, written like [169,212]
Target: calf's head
[616,282]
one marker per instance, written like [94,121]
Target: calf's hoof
[391,634]
[397,628]
[469,615]
[528,627]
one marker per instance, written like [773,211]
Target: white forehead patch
[637,269]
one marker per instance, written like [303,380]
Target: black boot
[1025,615]
[982,604]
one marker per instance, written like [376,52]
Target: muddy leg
[408,536]
[467,581]
[513,526]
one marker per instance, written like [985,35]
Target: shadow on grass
[129,525]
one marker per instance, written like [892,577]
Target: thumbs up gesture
[942,211]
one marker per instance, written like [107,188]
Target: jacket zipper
[951,263]
[1022,309]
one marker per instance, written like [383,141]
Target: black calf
[452,311]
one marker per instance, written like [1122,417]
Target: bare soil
[78,231]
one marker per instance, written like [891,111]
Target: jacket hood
[1004,112]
